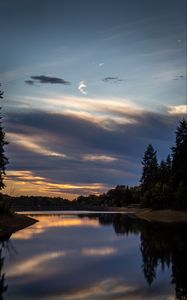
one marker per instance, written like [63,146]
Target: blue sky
[87,85]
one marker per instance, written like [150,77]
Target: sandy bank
[166,216]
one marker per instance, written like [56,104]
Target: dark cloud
[80,136]
[76,137]
[47,79]
[179,77]
[112,79]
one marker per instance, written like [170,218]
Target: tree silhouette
[150,169]
[165,171]
[3,158]
[179,153]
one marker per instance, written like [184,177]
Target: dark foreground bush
[4,210]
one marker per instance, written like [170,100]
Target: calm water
[95,256]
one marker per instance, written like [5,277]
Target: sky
[87,86]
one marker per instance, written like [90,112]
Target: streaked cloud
[34,264]
[28,183]
[108,288]
[99,251]
[101,111]
[102,158]
[24,175]
[82,87]
[33,144]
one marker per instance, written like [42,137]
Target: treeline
[120,196]
[162,185]
[34,203]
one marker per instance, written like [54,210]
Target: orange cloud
[27,183]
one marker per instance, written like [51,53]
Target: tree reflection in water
[161,244]
[3,285]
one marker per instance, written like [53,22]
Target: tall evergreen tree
[150,169]
[3,158]
[179,153]
[165,171]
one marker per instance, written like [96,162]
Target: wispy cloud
[101,64]
[82,87]
[46,79]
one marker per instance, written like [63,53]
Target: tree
[179,153]
[150,169]
[165,171]
[3,158]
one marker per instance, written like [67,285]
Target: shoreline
[10,224]
[163,216]
[150,215]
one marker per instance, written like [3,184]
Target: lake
[94,256]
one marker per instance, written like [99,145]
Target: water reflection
[101,256]
[49,221]
[3,285]
[164,244]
